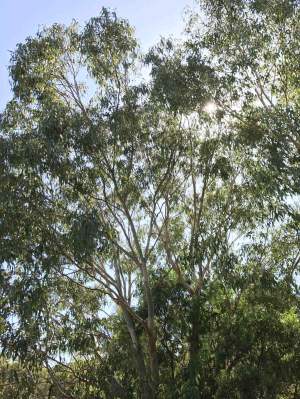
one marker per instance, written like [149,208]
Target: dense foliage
[150,225]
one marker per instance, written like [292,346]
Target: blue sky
[22,18]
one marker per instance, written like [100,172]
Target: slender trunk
[151,332]
[138,352]
[50,391]
[194,350]
[151,329]
[153,360]
[145,386]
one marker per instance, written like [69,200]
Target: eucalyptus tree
[146,228]
[69,153]
[241,58]
[254,46]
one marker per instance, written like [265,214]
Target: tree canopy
[150,224]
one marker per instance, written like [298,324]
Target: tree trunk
[153,360]
[145,386]
[151,329]
[194,350]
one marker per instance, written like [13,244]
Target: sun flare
[210,107]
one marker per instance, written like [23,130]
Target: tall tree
[150,231]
